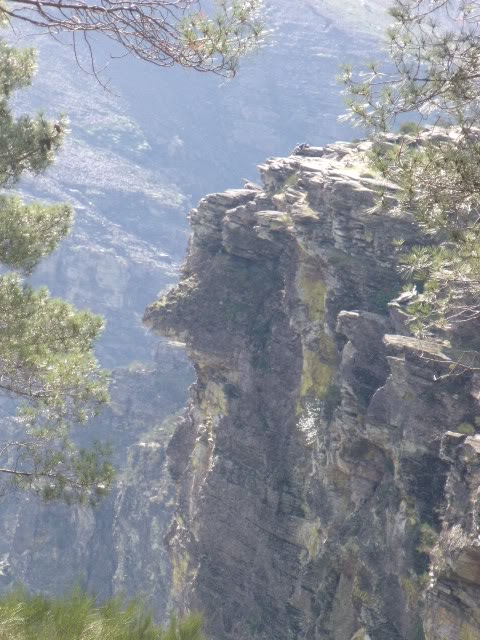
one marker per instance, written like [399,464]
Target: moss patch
[319,354]
[308,535]
[468,633]
[200,455]
[466,428]
[413,589]
[179,572]
[291,181]
[214,403]
[159,304]
[366,598]
[316,376]
[312,292]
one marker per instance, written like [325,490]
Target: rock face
[327,465]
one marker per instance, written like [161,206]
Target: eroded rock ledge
[328,470]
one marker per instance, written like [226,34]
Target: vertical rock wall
[314,485]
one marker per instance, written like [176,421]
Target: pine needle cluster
[47,363]
[432,79]
[79,617]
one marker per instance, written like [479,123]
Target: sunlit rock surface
[326,489]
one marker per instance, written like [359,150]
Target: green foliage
[466,428]
[79,617]
[27,143]
[46,352]
[190,628]
[225,38]
[206,36]
[30,232]
[433,77]
[46,346]
[427,538]
[410,128]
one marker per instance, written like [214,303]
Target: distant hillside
[364,16]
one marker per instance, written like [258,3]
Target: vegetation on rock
[432,78]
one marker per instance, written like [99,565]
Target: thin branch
[162,32]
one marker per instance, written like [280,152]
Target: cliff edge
[328,467]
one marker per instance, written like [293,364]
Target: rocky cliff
[134,159]
[328,468]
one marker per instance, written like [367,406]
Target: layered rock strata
[328,461]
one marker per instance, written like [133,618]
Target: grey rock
[321,439]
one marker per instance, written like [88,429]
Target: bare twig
[163,32]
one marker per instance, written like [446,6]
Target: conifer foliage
[196,34]
[46,361]
[432,78]
[79,617]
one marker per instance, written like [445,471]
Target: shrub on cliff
[78,617]
[433,77]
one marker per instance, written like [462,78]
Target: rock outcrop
[328,461]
